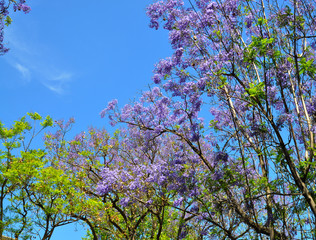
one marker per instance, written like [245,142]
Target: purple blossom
[23,7]
[111,106]
[180,39]
[194,209]
[249,19]
[210,70]
[157,78]
[164,67]
[125,201]
[155,11]
[203,232]
[201,84]
[177,56]
[183,234]
[4,12]
[217,176]
[149,202]
[156,92]
[178,202]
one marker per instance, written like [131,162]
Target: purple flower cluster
[161,9]
[4,13]
[21,6]
[236,68]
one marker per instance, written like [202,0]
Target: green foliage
[261,21]
[48,122]
[307,65]
[255,92]
[34,116]
[258,47]
[27,181]
[8,21]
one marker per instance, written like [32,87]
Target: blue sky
[70,58]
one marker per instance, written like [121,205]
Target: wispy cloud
[34,62]
[57,83]
[26,74]
[57,88]
[65,76]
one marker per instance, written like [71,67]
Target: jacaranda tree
[132,200]
[5,19]
[81,160]
[248,67]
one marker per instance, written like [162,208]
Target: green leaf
[35,116]
[8,21]
[48,122]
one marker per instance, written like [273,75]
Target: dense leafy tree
[16,155]
[34,192]
[251,64]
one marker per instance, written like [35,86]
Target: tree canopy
[221,147]
[251,65]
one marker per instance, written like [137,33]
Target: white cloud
[58,82]
[34,62]
[65,76]
[26,74]
[57,89]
